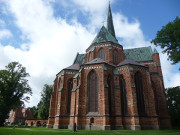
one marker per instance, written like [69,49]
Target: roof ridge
[138,48]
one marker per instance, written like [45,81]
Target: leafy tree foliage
[35,111]
[13,86]
[173,99]
[168,38]
[43,106]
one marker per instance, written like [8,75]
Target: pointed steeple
[110,26]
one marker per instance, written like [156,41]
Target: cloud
[2,23]
[170,72]
[5,34]
[50,41]
[130,34]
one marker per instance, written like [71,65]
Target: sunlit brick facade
[110,87]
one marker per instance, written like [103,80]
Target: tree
[13,86]
[43,106]
[168,38]
[35,111]
[173,100]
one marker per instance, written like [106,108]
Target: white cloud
[170,72]
[129,32]
[50,42]
[2,23]
[53,43]
[5,34]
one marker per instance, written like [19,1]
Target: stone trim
[131,68]
[94,67]
[106,115]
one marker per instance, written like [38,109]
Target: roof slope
[139,54]
[95,61]
[73,67]
[127,61]
[104,36]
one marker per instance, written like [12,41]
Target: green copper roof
[104,36]
[139,54]
[79,59]
[135,54]
[110,26]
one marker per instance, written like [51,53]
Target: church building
[110,88]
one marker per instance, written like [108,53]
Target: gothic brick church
[109,87]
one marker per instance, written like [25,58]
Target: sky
[45,35]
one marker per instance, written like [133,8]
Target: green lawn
[47,131]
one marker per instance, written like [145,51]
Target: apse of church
[109,87]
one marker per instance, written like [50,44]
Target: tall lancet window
[102,54]
[92,92]
[123,95]
[115,57]
[90,56]
[70,86]
[139,93]
[109,93]
[59,83]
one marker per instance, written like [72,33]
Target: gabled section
[104,36]
[110,26]
[79,59]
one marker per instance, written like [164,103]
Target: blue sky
[45,35]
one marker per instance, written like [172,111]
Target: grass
[47,131]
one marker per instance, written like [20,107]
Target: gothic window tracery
[102,54]
[139,93]
[115,57]
[92,92]
[123,95]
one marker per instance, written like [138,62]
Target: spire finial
[110,25]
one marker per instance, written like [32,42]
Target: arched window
[93,92]
[90,56]
[70,86]
[123,95]
[109,92]
[102,54]
[115,57]
[139,93]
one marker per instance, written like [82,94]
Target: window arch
[123,95]
[70,86]
[92,92]
[115,57]
[139,93]
[102,54]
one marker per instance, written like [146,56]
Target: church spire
[110,25]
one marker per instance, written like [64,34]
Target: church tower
[110,88]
